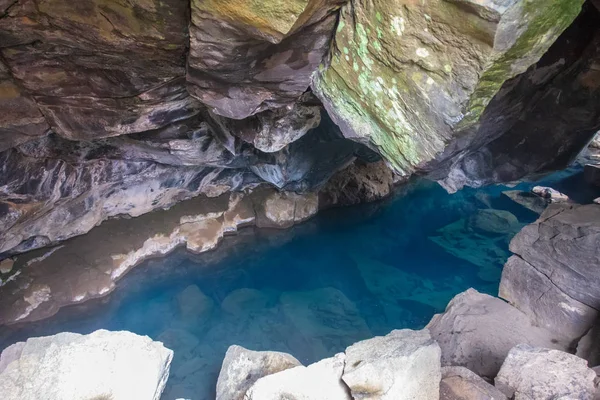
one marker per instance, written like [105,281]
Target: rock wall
[116,108]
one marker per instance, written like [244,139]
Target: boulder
[564,245]
[459,383]
[101,365]
[318,381]
[554,196]
[528,200]
[284,209]
[242,368]
[490,221]
[543,374]
[244,300]
[193,303]
[325,318]
[402,365]
[477,331]
[534,293]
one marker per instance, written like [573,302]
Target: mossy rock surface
[410,76]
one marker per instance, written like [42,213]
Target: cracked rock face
[553,275]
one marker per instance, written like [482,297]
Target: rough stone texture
[526,130]
[282,210]
[530,373]
[103,364]
[52,189]
[318,381]
[563,249]
[251,56]
[477,331]
[459,383]
[242,368]
[133,80]
[534,293]
[409,77]
[21,119]
[402,365]
[359,183]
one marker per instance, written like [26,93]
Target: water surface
[344,276]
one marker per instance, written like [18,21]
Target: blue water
[312,290]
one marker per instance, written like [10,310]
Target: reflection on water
[344,276]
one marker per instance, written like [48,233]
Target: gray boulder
[528,200]
[477,331]
[531,373]
[242,368]
[318,381]
[558,258]
[70,366]
[490,221]
[402,365]
[459,383]
[546,304]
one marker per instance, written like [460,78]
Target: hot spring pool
[346,275]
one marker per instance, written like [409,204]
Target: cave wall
[120,107]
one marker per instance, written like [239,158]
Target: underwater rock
[543,374]
[554,196]
[325,317]
[477,331]
[528,200]
[244,300]
[242,368]
[194,304]
[592,174]
[459,383]
[404,81]
[318,381]
[402,365]
[103,364]
[491,221]
[484,251]
[534,293]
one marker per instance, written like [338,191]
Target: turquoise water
[312,290]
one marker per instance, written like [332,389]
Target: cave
[312,199]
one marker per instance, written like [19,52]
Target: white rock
[70,366]
[533,373]
[242,368]
[551,194]
[403,365]
[318,381]
[460,383]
